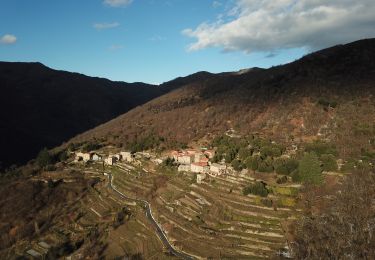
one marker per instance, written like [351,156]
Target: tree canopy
[309,169]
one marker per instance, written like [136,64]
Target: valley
[143,206]
[270,163]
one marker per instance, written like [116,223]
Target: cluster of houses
[110,160]
[189,160]
[198,161]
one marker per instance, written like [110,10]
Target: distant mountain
[182,81]
[42,107]
[327,95]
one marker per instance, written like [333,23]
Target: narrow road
[151,218]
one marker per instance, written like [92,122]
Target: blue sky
[157,40]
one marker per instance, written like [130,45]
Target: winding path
[151,218]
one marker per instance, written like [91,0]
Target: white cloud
[117,3]
[216,4]
[8,39]
[268,25]
[102,26]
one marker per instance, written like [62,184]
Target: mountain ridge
[287,102]
[42,107]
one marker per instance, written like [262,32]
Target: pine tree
[44,158]
[309,169]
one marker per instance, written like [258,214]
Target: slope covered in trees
[42,107]
[327,95]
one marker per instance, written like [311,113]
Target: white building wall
[184,168]
[199,168]
[127,156]
[217,169]
[185,159]
[96,157]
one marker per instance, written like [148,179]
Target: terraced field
[214,219]
[99,209]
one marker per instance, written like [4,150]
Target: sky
[155,41]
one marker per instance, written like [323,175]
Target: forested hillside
[327,95]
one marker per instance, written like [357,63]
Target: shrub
[266,151]
[74,146]
[230,155]
[266,165]
[291,165]
[217,158]
[282,180]
[44,158]
[296,177]
[267,202]
[252,162]
[282,170]
[285,166]
[149,142]
[348,167]
[237,165]
[329,162]
[63,156]
[319,148]
[244,153]
[326,103]
[50,168]
[258,188]
[169,162]
[91,146]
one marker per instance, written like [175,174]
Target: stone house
[218,169]
[111,160]
[184,168]
[83,157]
[95,157]
[185,158]
[199,167]
[127,156]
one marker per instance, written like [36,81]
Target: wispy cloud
[117,3]
[216,4]
[268,25]
[157,38]
[103,26]
[8,39]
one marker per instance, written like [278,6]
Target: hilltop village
[190,160]
[238,193]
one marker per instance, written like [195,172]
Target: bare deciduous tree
[344,229]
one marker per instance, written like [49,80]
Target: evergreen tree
[237,165]
[44,158]
[329,162]
[309,169]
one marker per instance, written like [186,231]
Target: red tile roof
[200,164]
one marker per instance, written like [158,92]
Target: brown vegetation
[338,224]
[41,107]
[329,95]
[29,208]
